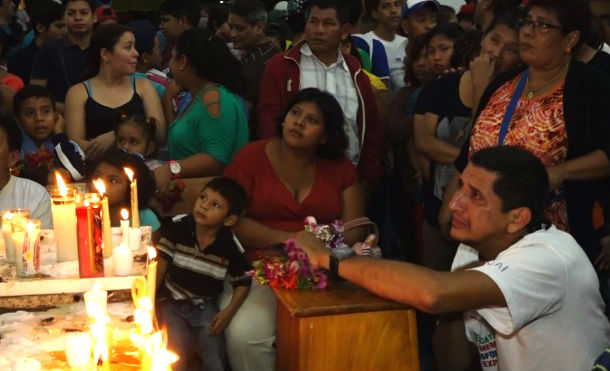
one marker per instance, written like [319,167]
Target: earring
[569,51]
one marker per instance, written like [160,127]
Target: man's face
[172,27]
[79,18]
[476,209]
[323,30]
[387,13]
[242,33]
[56,30]
[420,21]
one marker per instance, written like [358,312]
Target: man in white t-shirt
[532,291]
[386,14]
[20,193]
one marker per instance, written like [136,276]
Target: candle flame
[61,185]
[98,331]
[100,186]
[129,173]
[95,198]
[97,287]
[8,216]
[30,226]
[124,214]
[152,253]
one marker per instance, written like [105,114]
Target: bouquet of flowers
[291,269]
[35,166]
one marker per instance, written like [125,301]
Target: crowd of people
[478,141]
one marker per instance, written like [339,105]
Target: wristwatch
[175,169]
[336,255]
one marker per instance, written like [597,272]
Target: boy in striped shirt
[197,253]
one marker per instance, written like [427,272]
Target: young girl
[135,134]
[110,169]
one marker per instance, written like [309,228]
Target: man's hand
[314,248]
[220,322]
[481,71]
[602,262]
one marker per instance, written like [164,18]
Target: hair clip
[123,116]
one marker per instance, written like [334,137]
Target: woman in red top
[301,172]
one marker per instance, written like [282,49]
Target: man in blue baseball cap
[418,17]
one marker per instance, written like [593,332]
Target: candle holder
[77,346]
[123,260]
[26,243]
[8,217]
[89,236]
[63,208]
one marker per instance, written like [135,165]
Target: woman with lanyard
[557,108]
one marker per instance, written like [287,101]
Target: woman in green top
[206,136]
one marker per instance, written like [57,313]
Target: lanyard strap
[511,106]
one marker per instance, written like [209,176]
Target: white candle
[64,221]
[133,187]
[106,228]
[8,217]
[26,243]
[97,297]
[123,261]
[77,346]
[125,226]
[135,238]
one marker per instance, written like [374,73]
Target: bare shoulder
[211,101]
[77,92]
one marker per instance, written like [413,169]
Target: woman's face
[303,126]
[116,182]
[421,66]
[501,45]
[124,56]
[544,47]
[176,67]
[440,50]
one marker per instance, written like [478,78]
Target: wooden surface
[344,327]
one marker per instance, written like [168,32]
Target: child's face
[37,118]
[117,184]
[212,210]
[131,139]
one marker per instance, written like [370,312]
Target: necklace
[533,91]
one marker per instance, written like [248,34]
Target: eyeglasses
[537,26]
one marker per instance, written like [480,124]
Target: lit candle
[133,186]
[123,260]
[96,297]
[8,217]
[106,229]
[151,276]
[26,241]
[125,226]
[89,235]
[77,346]
[64,221]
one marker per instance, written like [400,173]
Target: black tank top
[100,119]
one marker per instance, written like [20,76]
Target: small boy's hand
[220,322]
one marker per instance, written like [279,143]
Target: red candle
[89,236]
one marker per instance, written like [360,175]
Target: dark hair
[217,16]
[144,31]
[370,5]
[466,48]
[499,7]
[444,14]
[211,59]
[121,159]
[336,140]
[231,191]
[148,125]
[253,11]
[31,91]
[45,12]
[89,2]
[522,178]
[178,8]
[573,15]
[414,48]
[509,18]
[342,8]
[3,47]
[105,36]
[14,136]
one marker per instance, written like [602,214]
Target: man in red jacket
[317,62]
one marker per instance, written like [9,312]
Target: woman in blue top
[206,136]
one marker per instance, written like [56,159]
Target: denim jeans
[188,324]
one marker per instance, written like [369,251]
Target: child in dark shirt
[196,254]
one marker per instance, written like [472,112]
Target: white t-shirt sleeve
[532,278]
[43,211]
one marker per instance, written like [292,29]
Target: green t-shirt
[196,131]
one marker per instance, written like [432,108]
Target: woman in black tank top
[94,107]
